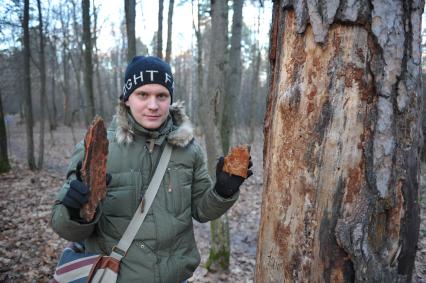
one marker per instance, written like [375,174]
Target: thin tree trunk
[169,31]
[233,79]
[199,41]
[54,113]
[88,67]
[160,29]
[26,85]
[4,159]
[43,99]
[209,116]
[254,89]
[342,143]
[67,109]
[130,11]
[99,91]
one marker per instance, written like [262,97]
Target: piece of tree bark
[237,161]
[94,166]
[342,142]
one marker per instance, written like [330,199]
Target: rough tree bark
[169,31]
[233,79]
[342,142]
[130,11]
[209,115]
[88,66]
[4,159]
[26,86]
[43,98]
[160,29]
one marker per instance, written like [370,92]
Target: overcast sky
[146,22]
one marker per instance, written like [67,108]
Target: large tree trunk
[4,159]
[26,85]
[209,116]
[160,29]
[88,67]
[130,11]
[233,79]
[43,98]
[169,31]
[342,142]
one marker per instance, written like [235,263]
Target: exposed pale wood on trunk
[342,141]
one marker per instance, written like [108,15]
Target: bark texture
[93,169]
[160,29]
[342,142]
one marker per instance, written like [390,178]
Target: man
[164,249]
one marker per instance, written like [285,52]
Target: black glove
[228,184]
[78,194]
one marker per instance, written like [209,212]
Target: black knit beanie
[146,70]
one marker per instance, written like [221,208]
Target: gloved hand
[78,194]
[228,184]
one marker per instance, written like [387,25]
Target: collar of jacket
[177,129]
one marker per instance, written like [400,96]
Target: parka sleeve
[61,221]
[206,204]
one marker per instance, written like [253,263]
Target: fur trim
[180,137]
[184,134]
[124,133]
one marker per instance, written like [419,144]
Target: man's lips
[152,117]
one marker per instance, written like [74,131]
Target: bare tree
[4,159]
[210,117]
[130,11]
[26,85]
[160,29]
[233,78]
[88,67]
[100,92]
[342,143]
[169,31]
[43,98]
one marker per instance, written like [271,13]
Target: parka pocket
[119,202]
[178,183]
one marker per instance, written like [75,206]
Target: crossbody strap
[120,250]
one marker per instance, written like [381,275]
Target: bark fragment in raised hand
[237,161]
[94,166]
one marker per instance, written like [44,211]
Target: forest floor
[29,249]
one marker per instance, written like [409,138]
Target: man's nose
[152,103]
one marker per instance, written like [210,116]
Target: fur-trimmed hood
[180,136]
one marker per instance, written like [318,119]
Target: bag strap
[120,250]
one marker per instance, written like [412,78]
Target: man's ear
[127,103]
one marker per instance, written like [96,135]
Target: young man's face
[149,105]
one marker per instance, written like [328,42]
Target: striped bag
[77,266]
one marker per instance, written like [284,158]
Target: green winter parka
[164,249]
